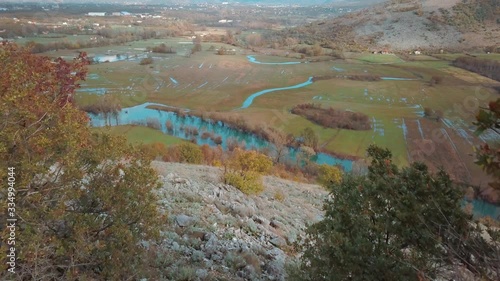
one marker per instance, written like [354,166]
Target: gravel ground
[215,230]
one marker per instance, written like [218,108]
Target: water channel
[141,115]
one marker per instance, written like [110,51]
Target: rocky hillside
[412,24]
[216,231]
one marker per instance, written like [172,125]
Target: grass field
[379,58]
[210,82]
[53,37]
[481,55]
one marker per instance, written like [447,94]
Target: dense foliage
[243,170]
[333,118]
[470,13]
[394,224]
[190,153]
[83,201]
[485,67]
[488,157]
[328,175]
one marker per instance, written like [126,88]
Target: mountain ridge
[405,25]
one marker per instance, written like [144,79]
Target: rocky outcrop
[215,230]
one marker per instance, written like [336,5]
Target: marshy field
[419,106]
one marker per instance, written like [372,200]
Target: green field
[379,58]
[210,82]
[479,55]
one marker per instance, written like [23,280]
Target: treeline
[162,49]
[233,122]
[333,118]
[302,169]
[306,140]
[488,68]
[105,37]
[354,77]
[107,105]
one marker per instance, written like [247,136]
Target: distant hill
[411,24]
[273,2]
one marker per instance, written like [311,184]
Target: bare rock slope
[403,25]
[217,231]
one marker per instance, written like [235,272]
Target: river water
[250,99]
[141,115]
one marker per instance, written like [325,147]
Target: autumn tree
[107,105]
[280,143]
[244,168]
[394,224]
[83,201]
[309,138]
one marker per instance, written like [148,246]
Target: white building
[96,14]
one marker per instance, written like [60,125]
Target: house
[97,14]
[417,52]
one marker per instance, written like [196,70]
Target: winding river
[141,115]
[250,99]
[252,59]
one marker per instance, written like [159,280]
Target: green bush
[244,168]
[190,153]
[329,175]
[248,182]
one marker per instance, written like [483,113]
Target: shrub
[250,160]
[169,126]
[190,153]
[436,80]
[329,175]
[146,61]
[244,168]
[279,196]
[162,48]
[434,114]
[333,118]
[206,135]
[153,123]
[173,154]
[212,156]
[153,150]
[248,182]
[217,140]
[367,77]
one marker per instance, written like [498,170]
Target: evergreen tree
[393,224]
